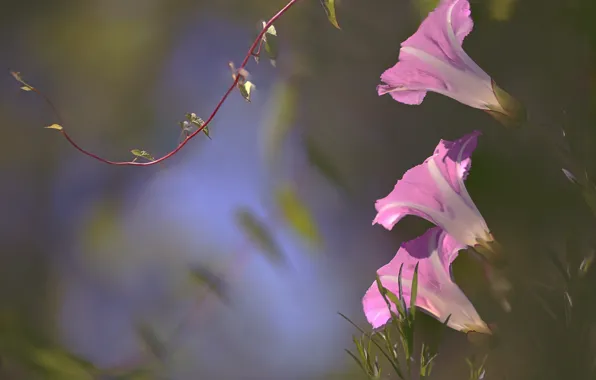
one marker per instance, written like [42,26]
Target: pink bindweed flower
[435,191]
[433,59]
[437,294]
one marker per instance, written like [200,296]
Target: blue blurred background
[93,255]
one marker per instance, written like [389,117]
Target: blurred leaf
[586,264]
[60,364]
[204,276]
[560,265]
[427,357]
[570,176]
[318,159]
[501,10]
[511,113]
[476,372]
[155,346]
[258,232]
[55,126]
[142,154]
[280,120]
[26,88]
[28,348]
[329,6]
[297,214]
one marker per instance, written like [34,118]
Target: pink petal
[432,36]
[418,193]
[438,295]
[432,59]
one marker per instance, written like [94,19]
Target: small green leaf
[246,89]
[142,154]
[297,214]
[329,6]
[55,126]
[259,234]
[194,120]
[271,43]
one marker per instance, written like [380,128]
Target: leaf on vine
[193,119]
[57,127]
[259,234]
[244,85]
[25,86]
[142,154]
[329,6]
[271,43]
[246,89]
[297,214]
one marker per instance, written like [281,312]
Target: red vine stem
[251,53]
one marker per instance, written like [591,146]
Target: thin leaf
[570,176]
[279,121]
[561,267]
[329,6]
[142,154]
[204,276]
[55,126]
[259,234]
[297,214]
[151,341]
[586,264]
[355,359]
[414,292]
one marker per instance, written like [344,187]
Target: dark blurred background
[91,252]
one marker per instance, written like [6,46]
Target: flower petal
[443,31]
[438,295]
[435,191]
[433,59]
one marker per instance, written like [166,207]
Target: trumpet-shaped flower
[433,59]
[435,191]
[437,293]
